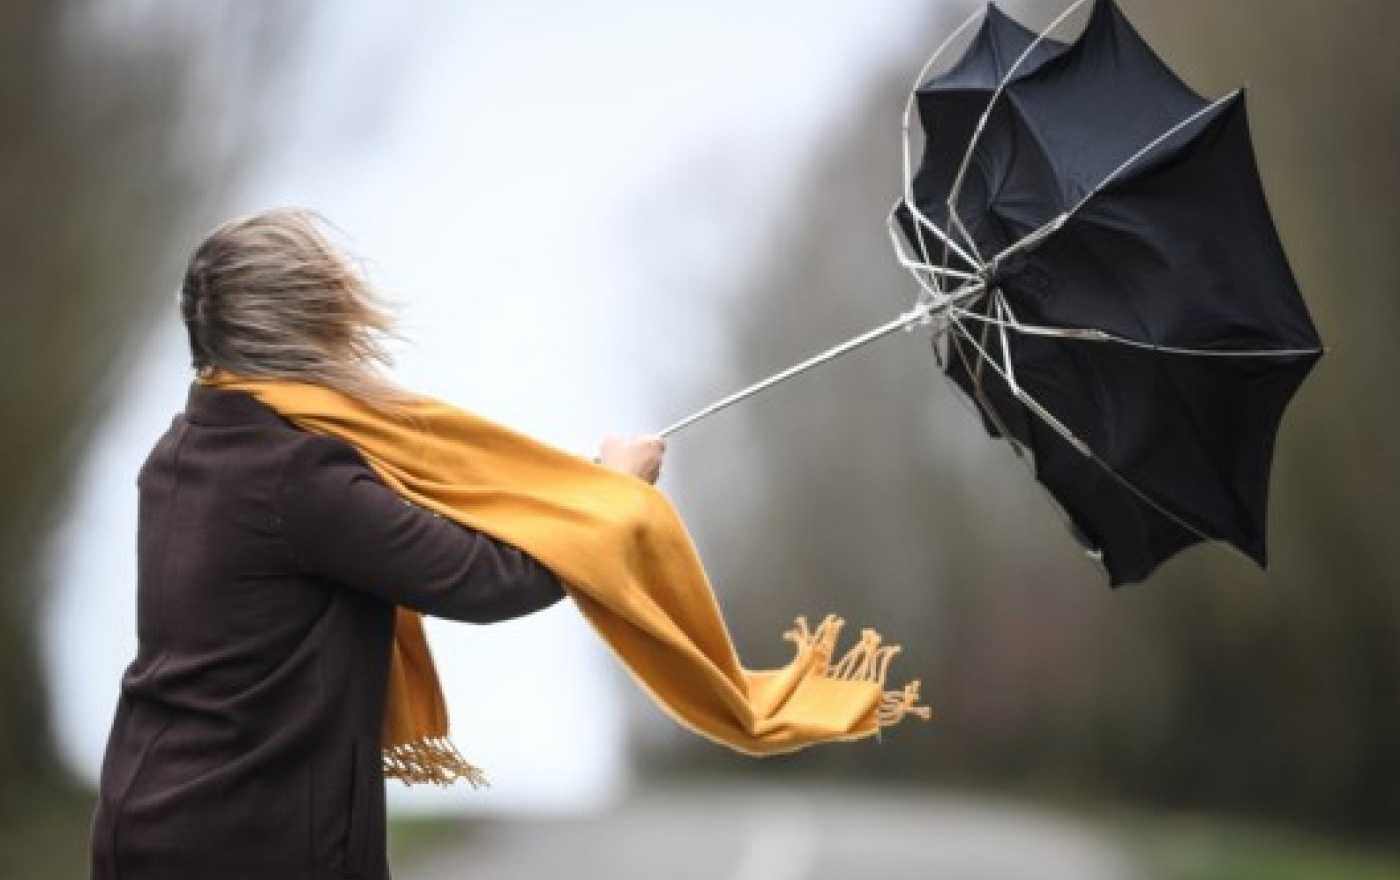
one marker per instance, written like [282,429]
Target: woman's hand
[638,456]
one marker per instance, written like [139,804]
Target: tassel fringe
[435,759]
[431,759]
[894,705]
[868,660]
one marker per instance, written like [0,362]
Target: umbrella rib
[913,92]
[976,138]
[979,393]
[922,221]
[1157,141]
[927,292]
[1030,402]
[1089,334]
[932,292]
[1079,445]
[956,221]
[999,305]
[1005,308]
[1016,447]
[1056,223]
[1199,531]
[991,103]
[907,152]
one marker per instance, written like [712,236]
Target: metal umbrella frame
[962,305]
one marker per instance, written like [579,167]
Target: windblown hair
[269,295]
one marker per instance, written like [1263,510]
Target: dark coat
[270,559]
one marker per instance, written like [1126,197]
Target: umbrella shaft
[917,315]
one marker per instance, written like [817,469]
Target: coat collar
[217,407]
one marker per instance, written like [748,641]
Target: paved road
[745,833]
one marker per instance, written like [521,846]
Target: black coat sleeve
[343,524]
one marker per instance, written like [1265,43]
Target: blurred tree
[1323,661]
[124,128]
[870,490]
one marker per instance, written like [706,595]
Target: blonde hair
[269,295]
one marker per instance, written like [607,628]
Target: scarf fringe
[430,759]
[866,661]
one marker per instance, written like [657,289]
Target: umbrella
[1097,262]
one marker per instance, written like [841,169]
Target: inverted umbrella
[1104,280]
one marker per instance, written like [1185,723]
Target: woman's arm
[342,524]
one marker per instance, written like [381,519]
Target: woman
[246,742]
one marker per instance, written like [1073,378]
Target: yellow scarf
[622,553]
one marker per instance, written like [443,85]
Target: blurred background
[598,217]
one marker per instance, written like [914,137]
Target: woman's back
[247,737]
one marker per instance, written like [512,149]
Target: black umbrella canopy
[950,105]
[1141,332]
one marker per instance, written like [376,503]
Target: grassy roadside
[1205,849]
[412,836]
[48,840]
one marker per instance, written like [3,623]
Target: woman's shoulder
[321,464]
[232,436]
[214,408]
[313,451]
